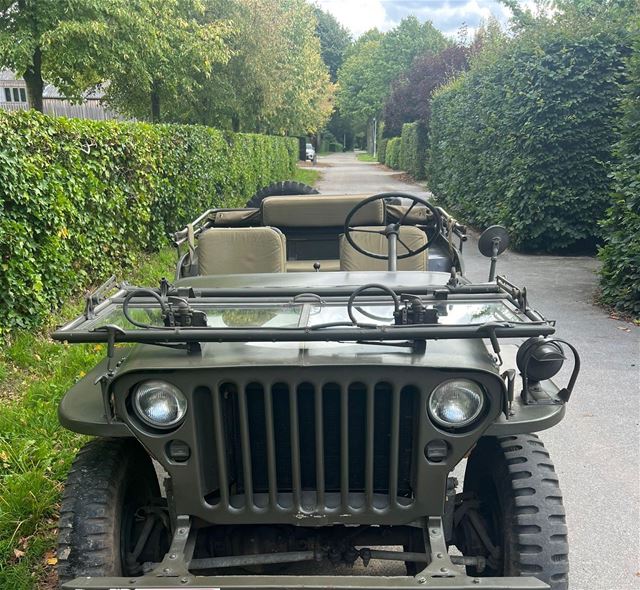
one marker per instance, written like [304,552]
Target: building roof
[49,90]
[8,75]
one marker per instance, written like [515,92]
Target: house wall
[91,108]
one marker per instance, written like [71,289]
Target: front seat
[352,260]
[237,250]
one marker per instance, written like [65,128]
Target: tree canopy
[410,99]
[148,53]
[335,40]
[23,26]
[375,60]
[252,65]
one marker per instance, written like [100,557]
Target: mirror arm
[494,259]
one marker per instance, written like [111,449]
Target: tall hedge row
[413,149]
[80,199]
[392,153]
[382,150]
[621,253]
[525,136]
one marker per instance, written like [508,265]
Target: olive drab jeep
[289,409]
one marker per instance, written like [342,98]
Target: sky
[359,16]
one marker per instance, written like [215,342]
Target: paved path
[596,448]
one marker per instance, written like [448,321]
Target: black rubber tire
[285,188]
[108,478]
[515,480]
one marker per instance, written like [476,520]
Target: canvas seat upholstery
[238,250]
[319,211]
[352,260]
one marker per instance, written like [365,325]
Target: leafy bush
[524,137]
[413,149]
[620,272]
[80,199]
[330,143]
[382,150]
[392,153]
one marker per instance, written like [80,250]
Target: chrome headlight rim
[466,424]
[150,422]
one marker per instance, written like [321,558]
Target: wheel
[111,503]
[394,227]
[512,498]
[281,189]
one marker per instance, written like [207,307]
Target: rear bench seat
[313,225]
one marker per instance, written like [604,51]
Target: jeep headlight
[456,403]
[159,404]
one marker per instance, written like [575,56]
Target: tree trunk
[235,122]
[33,79]
[155,102]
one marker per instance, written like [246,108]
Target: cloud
[359,15]
[447,15]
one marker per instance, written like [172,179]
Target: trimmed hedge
[80,199]
[620,274]
[392,153]
[524,138]
[382,150]
[413,149]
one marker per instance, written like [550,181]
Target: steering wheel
[393,229]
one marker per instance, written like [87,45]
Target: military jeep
[289,410]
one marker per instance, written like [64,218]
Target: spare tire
[284,188]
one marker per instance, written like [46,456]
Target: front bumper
[173,573]
[455,582]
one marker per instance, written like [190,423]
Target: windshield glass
[448,313]
[310,314]
[217,317]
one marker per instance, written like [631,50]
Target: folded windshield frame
[509,315]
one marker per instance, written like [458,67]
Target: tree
[334,41]
[275,80]
[23,25]
[375,61]
[146,53]
[410,99]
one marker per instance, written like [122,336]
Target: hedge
[80,199]
[382,150]
[413,149]
[524,138]
[392,153]
[620,274]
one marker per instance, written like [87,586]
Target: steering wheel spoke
[406,213]
[379,232]
[409,251]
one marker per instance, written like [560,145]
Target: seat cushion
[319,211]
[231,250]
[307,265]
[351,259]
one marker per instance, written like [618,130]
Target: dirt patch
[405,177]
[312,165]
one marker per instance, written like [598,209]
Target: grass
[306,175]
[366,157]
[35,452]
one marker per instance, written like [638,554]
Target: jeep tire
[520,504]
[110,482]
[286,188]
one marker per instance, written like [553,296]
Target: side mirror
[493,242]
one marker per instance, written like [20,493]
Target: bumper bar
[247,582]
[174,572]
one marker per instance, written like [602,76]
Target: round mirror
[496,234]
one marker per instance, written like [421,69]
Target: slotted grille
[313,448]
